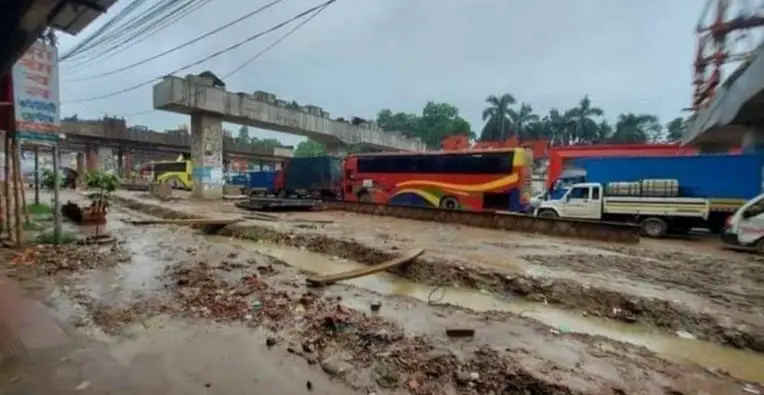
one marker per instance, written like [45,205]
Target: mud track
[571,293]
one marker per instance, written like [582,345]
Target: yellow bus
[176,173]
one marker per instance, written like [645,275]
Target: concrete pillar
[81,164]
[128,163]
[120,162]
[753,140]
[91,158]
[207,155]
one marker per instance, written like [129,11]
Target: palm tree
[561,126]
[633,128]
[521,119]
[585,126]
[498,115]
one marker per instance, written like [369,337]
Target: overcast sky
[360,56]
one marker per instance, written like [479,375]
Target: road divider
[562,227]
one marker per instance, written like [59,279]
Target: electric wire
[250,60]
[181,46]
[124,40]
[206,58]
[87,40]
[127,44]
[135,28]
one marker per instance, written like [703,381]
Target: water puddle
[744,364]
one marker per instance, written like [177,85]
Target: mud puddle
[743,364]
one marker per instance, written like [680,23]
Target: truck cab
[745,228]
[561,185]
[582,200]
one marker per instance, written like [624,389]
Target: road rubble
[160,280]
[677,286]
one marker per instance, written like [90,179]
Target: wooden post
[36,175]
[56,199]
[17,195]
[21,185]
[7,186]
[3,194]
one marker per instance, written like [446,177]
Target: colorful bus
[496,180]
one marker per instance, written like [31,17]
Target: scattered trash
[83,385]
[751,389]
[685,335]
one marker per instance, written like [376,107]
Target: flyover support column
[207,155]
[753,140]
[120,163]
[91,158]
[81,164]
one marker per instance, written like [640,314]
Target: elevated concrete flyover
[734,116]
[193,95]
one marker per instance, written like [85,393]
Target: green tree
[635,129]
[522,118]
[309,148]
[243,136]
[561,126]
[675,129]
[498,118]
[438,121]
[406,123]
[585,128]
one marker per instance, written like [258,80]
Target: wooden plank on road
[327,279]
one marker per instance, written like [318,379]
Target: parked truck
[317,177]
[727,181]
[648,203]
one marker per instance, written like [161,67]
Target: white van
[745,228]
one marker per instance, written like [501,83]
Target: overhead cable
[250,60]
[206,58]
[181,46]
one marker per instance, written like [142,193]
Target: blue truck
[726,180]
[258,183]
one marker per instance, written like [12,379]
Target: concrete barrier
[563,227]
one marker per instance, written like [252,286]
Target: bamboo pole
[19,240]
[7,186]
[24,208]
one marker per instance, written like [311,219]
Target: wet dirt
[571,274]
[401,348]
[739,363]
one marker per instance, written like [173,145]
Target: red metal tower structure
[725,34]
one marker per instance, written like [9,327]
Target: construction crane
[727,33]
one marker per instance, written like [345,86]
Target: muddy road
[688,286]
[170,303]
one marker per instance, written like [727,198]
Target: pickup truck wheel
[760,246]
[548,214]
[654,227]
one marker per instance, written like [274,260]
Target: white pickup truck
[658,216]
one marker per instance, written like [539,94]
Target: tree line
[505,118]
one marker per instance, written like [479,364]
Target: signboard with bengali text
[35,95]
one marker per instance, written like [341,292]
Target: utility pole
[36,175]
[56,201]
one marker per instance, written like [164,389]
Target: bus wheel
[654,227]
[174,183]
[364,197]
[449,202]
[548,214]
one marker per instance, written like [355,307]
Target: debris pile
[55,259]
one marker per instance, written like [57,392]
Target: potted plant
[100,186]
